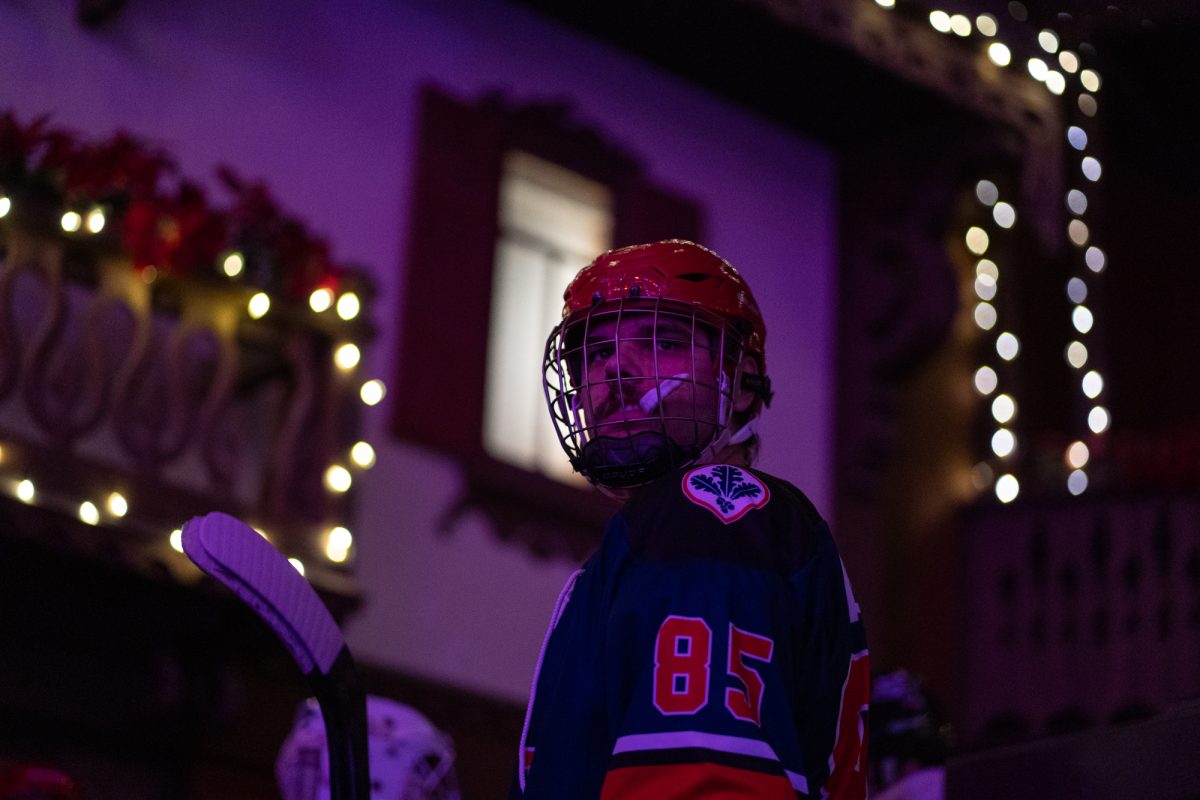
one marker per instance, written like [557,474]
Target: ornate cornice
[959,73]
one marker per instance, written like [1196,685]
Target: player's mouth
[617,418]
[626,421]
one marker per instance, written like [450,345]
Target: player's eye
[601,351]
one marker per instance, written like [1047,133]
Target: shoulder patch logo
[728,492]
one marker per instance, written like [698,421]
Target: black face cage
[616,429]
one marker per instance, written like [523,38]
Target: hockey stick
[234,554]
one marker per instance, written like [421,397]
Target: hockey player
[711,647]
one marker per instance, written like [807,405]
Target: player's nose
[628,360]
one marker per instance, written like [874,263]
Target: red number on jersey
[746,704]
[682,653]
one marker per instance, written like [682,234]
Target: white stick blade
[235,554]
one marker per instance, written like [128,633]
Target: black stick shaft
[344,708]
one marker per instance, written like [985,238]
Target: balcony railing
[1081,612]
[133,400]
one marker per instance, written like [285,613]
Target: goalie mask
[658,363]
[410,759]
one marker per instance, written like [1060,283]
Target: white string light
[1008,346]
[1077,354]
[337,544]
[89,513]
[363,455]
[95,220]
[259,305]
[321,299]
[348,306]
[337,478]
[233,264]
[1007,488]
[372,392]
[1077,455]
[1079,232]
[1076,290]
[118,506]
[347,356]
[986,380]
[1004,408]
[977,240]
[1091,384]
[985,316]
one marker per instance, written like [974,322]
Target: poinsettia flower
[175,231]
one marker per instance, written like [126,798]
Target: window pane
[552,222]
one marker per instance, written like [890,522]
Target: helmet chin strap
[726,437]
[745,432]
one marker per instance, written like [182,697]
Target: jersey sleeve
[835,686]
[732,680]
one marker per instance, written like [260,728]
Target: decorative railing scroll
[907,47]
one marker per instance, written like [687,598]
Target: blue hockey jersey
[710,648]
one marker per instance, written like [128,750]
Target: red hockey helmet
[689,300]
[672,270]
[37,782]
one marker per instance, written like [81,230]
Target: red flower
[139,234]
[193,234]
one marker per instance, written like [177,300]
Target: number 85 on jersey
[683,668]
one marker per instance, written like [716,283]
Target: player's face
[649,371]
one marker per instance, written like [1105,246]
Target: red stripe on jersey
[687,781]
[848,763]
